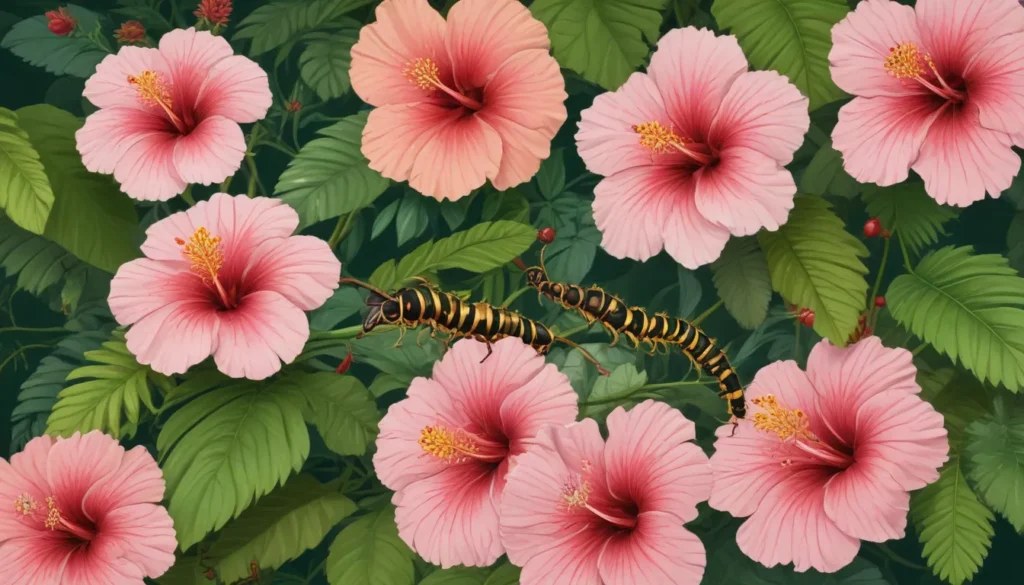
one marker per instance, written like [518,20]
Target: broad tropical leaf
[602,40]
[458,576]
[330,176]
[792,37]
[325,61]
[114,383]
[505,574]
[71,55]
[279,527]
[25,193]
[906,208]
[341,409]
[743,282]
[613,390]
[570,257]
[815,263]
[824,175]
[187,570]
[232,443]
[369,552]
[36,262]
[345,302]
[969,307]
[276,24]
[995,462]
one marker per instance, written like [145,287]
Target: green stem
[515,295]
[280,147]
[898,559]
[187,196]
[881,271]
[295,128]
[796,340]
[20,351]
[574,330]
[707,313]
[577,180]
[664,385]
[919,348]
[341,229]
[641,390]
[906,256]
[35,329]
[253,176]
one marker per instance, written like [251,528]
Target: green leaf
[824,175]
[281,526]
[279,23]
[968,307]
[369,552]
[581,373]
[743,282]
[960,397]
[815,263]
[454,212]
[325,62]
[345,302]
[187,570]
[72,55]
[551,176]
[341,409]
[37,262]
[1015,242]
[384,219]
[384,383]
[115,383]
[614,390]
[227,447]
[411,219]
[570,256]
[792,37]
[908,209]
[91,218]
[995,462]
[505,574]
[25,193]
[330,176]
[415,357]
[483,247]
[458,576]
[602,40]
[509,204]
[690,292]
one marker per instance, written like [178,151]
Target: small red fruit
[210,575]
[344,365]
[546,235]
[60,22]
[879,302]
[293,106]
[872,228]
[807,317]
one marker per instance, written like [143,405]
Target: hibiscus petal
[606,140]
[31,561]
[996,81]
[24,476]
[762,111]
[190,55]
[405,30]
[482,34]
[631,206]
[693,69]
[145,535]
[255,337]
[547,397]
[690,238]
[108,87]
[525,106]
[650,461]
[400,460]
[301,268]
[745,191]
[659,550]
[102,563]
[954,31]
[881,137]
[960,160]
[865,502]
[450,519]
[175,337]
[441,153]
[212,152]
[790,526]
[146,170]
[138,480]
[236,88]
[861,43]
[77,464]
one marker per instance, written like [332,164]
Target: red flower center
[425,74]
[204,251]
[577,494]
[906,62]
[155,91]
[654,136]
[792,427]
[454,445]
[26,505]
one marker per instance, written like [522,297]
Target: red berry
[60,22]
[546,235]
[807,317]
[293,106]
[879,302]
[345,364]
[210,574]
[872,228]
[867,332]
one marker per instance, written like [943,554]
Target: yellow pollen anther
[423,72]
[151,89]
[204,252]
[905,61]
[785,423]
[53,517]
[448,445]
[24,505]
[656,137]
[575,492]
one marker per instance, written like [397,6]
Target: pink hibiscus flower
[457,102]
[692,151]
[83,510]
[940,89]
[580,510]
[827,458]
[446,449]
[169,116]
[225,278]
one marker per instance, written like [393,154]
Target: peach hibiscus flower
[578,509]
[477,97]
[940,89]
[692,151]
[169,116]
[83,510]
[447,447]
[225,278]
[827,458]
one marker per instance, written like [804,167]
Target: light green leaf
[330,176]
[602,40]
[341,409]
[505,574]
[325,62]
[369,552]
[995,462]
[458,576]
[25,193]
[483,247]
[743,282]
[276,24]
[72,55]
[614,390]
[187,570]
[115,383]
[968,307]
[824,175]
[815,263]
[792,37]
[281,526]
[228,447]
[91,217]
[906,208]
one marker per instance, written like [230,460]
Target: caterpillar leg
[653,344]
[615,337]
[419,336]
[483,339]
[632,338]
[401,335]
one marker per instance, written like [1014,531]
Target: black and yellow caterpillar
[594,304]
[424,304]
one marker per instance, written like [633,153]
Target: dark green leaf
[411,219]
[458,576]
[454,212]
[825,175]
[743,282]
[505,574]
[570,256]
[325,62]
[415,357]
[907,209]
[276,24]
[345,302]
[369,552]
[384,219]
[614,390]
[690,293]
[341,409]
[71,55]
[995,462]
[551,176]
